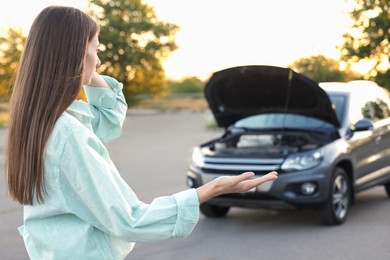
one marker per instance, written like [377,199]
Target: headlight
[303,161]
[197,157]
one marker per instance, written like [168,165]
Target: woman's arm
[97,194]
[108,105]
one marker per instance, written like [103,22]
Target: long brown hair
[48,79]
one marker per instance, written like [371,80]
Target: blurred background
[164,51]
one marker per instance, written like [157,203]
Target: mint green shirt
[90,212]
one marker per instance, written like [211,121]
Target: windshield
[278,120]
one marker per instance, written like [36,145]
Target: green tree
[134,44]
[11,45]
[320,69]
[368,39]
[187,85]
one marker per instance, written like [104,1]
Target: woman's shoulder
[68,125]
[68,129]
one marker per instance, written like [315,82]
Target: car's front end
[298,157]
[274,120]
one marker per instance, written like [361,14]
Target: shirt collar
[80,107]
[82,111]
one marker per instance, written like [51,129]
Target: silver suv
[327,141]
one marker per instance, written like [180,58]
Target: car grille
[228,165]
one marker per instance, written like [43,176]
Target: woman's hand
[232,184]
[98,81]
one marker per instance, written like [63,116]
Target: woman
[76,205]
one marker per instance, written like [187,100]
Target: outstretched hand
[232,184]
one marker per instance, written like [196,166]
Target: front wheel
[213,211]
[336,209]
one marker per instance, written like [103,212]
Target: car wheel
[387,188]
[213,211]
[336,209]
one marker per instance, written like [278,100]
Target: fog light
[190,182]
[308,188]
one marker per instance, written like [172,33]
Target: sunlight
[254,32]
[218,34]
[11,14]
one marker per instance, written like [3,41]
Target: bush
[188,85]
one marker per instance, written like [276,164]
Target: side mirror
[363,125]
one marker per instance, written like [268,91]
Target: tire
[336,209]
[213,211]
[387,188]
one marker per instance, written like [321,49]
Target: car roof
[355,86]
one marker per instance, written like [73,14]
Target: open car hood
[239,92]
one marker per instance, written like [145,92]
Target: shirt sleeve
[96,193]
[109,108]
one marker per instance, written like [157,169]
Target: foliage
[187,85]
[369,38]
[174,103]
[321,69]
[134,43]
[11,45]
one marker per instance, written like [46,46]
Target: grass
[174,103]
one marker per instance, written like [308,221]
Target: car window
[375,110]
[370,107]
[338,105]
[279,120]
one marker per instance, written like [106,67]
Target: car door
[374,153]
[381,139]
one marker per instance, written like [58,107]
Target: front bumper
[284,192]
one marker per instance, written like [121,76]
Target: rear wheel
[213,211]
[387,188]
[336,209]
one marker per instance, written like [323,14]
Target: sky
[217,34]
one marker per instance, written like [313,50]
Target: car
[327,141]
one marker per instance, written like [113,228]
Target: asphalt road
[152,157]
